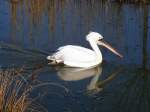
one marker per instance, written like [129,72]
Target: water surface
[30,30]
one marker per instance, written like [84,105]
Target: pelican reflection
[76,74]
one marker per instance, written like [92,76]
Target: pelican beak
[105,44]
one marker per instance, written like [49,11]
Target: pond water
[32,29]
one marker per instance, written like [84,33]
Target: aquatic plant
[15,91]
[16,88]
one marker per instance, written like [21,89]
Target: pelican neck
[96,49]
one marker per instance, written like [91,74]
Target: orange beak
[105,44]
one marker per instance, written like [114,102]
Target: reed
[14,92]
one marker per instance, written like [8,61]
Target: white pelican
[77,56]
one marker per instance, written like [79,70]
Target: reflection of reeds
[145,37]
[31,14]
[134,94]
[14,92]
[134,1]
[35,8]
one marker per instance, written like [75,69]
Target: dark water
[31,29]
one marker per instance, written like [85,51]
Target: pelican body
[77,56]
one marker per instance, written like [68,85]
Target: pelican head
[94,36]
[98,38]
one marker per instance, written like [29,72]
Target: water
[29,30]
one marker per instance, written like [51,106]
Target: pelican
[77,56]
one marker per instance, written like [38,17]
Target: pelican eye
[100,38]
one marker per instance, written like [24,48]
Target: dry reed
[14,92]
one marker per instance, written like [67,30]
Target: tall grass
[14,92]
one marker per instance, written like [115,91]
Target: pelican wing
[72,53]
